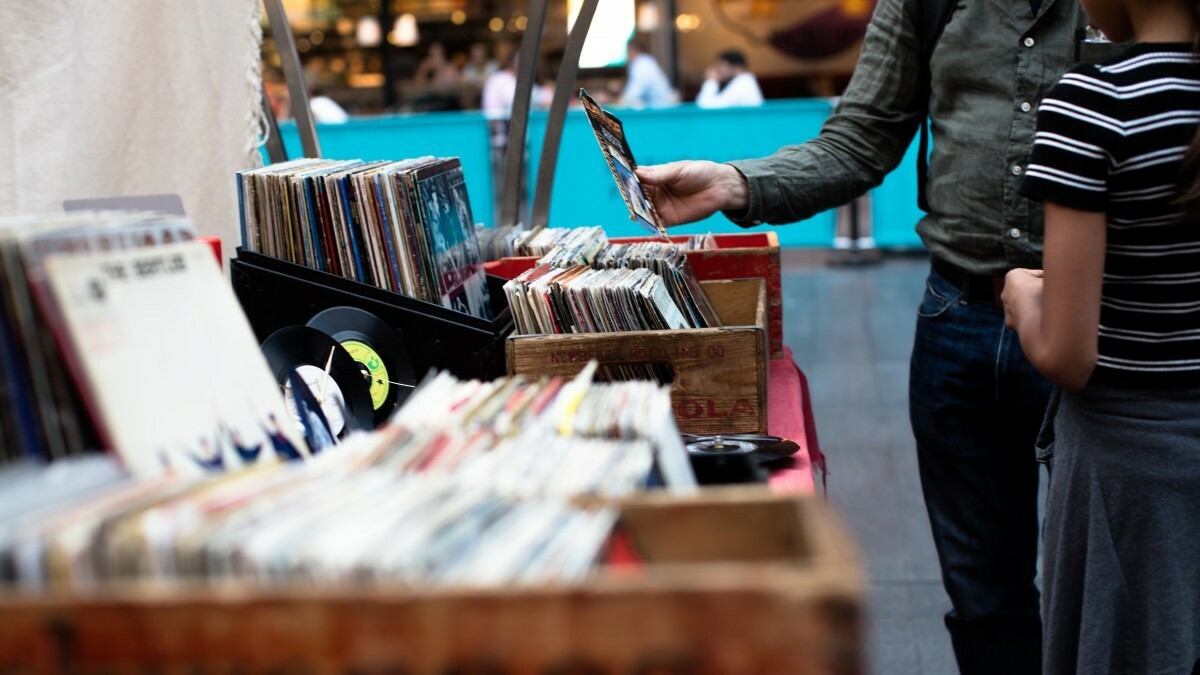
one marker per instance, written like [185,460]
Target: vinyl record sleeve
[168,358]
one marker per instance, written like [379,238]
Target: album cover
[447,215]
[610,134]
[168,360]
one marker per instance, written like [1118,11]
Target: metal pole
[514,163]
[275,150]
[385,54]
[285,44]
[564,90]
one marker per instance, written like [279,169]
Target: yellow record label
[379,374]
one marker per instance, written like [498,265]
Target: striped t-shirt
[1110,138]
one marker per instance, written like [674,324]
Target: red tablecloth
[789,415]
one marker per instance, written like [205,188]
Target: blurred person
[436,69]
[324,109]
[501,88]
[479,66]
[647,85]
[729,83]
[499,92]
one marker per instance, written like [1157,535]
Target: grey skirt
[1122,537]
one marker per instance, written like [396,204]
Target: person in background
[647,85]
[499,92]
[325,110]
[479,65]
[436,69]
[729,83]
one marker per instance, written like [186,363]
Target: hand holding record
[610,133]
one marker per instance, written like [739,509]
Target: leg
[975,407]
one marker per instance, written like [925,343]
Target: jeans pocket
[940,296]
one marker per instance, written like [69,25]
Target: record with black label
[762,449]
[328,369]
[380,353]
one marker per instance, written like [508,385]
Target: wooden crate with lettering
[725,583]
[720,374]
[736,256]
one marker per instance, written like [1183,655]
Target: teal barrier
[585,193]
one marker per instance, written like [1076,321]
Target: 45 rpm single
[380,353]
[309,351]
[761,448]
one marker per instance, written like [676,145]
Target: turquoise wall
[585,193]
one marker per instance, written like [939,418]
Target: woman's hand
[1022,297]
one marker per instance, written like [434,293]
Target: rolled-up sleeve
[864,139]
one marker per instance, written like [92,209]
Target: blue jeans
[976,406]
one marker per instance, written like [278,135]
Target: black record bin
[276,294]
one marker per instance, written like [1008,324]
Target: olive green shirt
[991,67]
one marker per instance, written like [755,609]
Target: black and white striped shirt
[1110,138]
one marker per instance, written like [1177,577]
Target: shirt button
[1014,233]
[1029,42]
[1025,106]
[1016,170]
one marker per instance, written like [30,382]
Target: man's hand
[1022,297]
[684,192]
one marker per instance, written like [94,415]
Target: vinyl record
[721,446]
[309,350]
[762,448]
[380,353]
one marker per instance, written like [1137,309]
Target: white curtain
[130,97]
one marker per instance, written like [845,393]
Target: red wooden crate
[737,256]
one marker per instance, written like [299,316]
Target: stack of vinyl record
[403,226]
[500,242]
[42,412]
[472,484]
[629,287]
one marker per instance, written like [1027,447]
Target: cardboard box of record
[730,581]
[720,374]
[737,256]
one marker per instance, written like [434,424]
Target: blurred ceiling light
[496,24]
[303,45]
[764,9]
[345,25]
[404,32]
[687,23]
[522,21]
[316,37]
[368,33]
[648,18]
[458,17]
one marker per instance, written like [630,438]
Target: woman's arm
[1058,316]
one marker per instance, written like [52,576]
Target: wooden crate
[720,374]
[733,582]
[737,256]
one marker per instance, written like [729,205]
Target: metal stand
[514,163]
[275,150]
[564,91]
[293,74]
